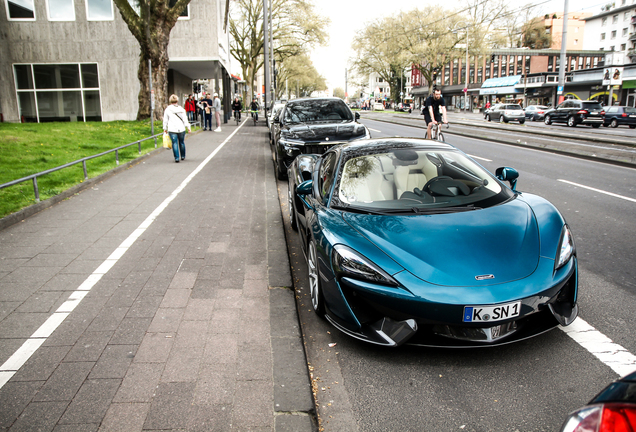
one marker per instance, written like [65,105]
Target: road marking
[613,355]
[374,130]
[20,357]
[598,190]
[480,158]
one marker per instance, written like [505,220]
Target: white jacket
[175,119]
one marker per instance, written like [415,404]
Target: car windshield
[416,180]
[317,110]
[592,106]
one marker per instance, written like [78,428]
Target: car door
[561,112]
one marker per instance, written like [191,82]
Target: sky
[347,16]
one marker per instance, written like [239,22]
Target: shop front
[501,90]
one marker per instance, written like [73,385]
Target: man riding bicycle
[432,107]
[254,109]
[237,106]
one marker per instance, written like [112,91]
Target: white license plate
[594,112]
[632,115]
[491,313]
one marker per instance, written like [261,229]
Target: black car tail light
[623,115]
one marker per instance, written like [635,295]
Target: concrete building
[76,60]
[576,29]
[613,29]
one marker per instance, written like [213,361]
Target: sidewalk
[157,299]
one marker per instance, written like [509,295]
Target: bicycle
[254,117]
[236,117]
[436,134]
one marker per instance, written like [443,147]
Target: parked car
[620,115]
[574,112]
[507,112]
[402,107]
[612,410]
[535,112]
[312,125]
[412,241]
[270,117]
[378,106]
[487,111]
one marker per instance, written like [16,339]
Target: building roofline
[610,12]
[546,51]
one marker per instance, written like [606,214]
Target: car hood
[476,248]
[318,132]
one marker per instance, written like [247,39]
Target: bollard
[85,172]
[36,190]
[117,156]
[139,144]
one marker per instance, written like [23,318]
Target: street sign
[465,90]
[560,90]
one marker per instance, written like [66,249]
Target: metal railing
[34,177]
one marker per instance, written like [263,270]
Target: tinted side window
[630,110]
[612,110]
[326,174]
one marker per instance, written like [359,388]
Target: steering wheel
[427,187]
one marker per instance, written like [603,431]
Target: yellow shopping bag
[167,142]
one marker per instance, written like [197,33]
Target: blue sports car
[412,241]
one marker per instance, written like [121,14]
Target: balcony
[632,55]
[632,36]
[633,21]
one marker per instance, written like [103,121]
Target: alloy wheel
[290,204]
[314,281]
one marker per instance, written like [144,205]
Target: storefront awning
[501,82]
[500,90]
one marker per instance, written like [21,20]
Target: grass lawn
[28,148]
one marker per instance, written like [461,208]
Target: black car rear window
[630,110]
[593,106]
[316,110]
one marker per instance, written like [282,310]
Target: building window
[22,10]
[613,34]
[588,62]
[527,68]
[576,41]
[602,36]
[99,10]
[615,19]
[455,72]
[60,10]
[572,63]
[185,14]
[626,16]
[447,75]
[623,46]
[604,21]
[504,63]
[480,74]
[550,63]
[58,92]
[580,63]
[625,30]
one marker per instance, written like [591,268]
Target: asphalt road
[528,386]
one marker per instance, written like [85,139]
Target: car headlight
[346,262]
[566,248]
[367,135]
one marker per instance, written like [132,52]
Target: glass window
[60,106]
[185,13]
[20,9]
[550,63]
[26,105]
[623,46]
[327,171]
[626,16]
[89,76]
[56,76]
[615,19]
[625,32]
[92,106]
[23,77]
[527,65]
[602,36]
[604,21]
[99,10]
[613,34]
[61,10]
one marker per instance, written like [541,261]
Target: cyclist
[432,107]
[237,106]
[254,109]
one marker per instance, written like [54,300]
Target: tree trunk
[159,80]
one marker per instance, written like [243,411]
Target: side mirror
[356,115]
[305,188]
[508,174]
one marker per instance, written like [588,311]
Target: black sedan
[312,125]
[535,112]
[620,115]
[574,112]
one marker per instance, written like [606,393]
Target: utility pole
[266,51]
[563,58]
[271,49]
[346,93]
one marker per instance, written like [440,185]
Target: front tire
[571,121]
[547,120]
[290,204]
[501,119]
[315,291]
[522,121]
[281,174]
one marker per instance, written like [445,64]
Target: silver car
[507,112]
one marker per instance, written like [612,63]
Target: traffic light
[492,58]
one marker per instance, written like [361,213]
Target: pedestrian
[206,106]
[190,108]
[175,124]
[217,112]
[488,105]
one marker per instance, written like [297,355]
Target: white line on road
[613,355]
[598,190]
[374,130]
[17,360]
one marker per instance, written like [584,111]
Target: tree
[295,28]
[339,92]
[301,77]
[151,22]
[533,35]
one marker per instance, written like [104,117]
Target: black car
[312,125]
[574,112]
[620,115]
[535,112]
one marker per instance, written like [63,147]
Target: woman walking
[175,123]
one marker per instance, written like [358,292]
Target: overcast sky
[347,16]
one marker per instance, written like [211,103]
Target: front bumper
[392,320]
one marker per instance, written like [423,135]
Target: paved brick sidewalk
[192,329]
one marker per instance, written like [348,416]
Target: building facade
[613,29]
[76,60]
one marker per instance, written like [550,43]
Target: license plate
[491,313]
[594,112]
[632,115]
